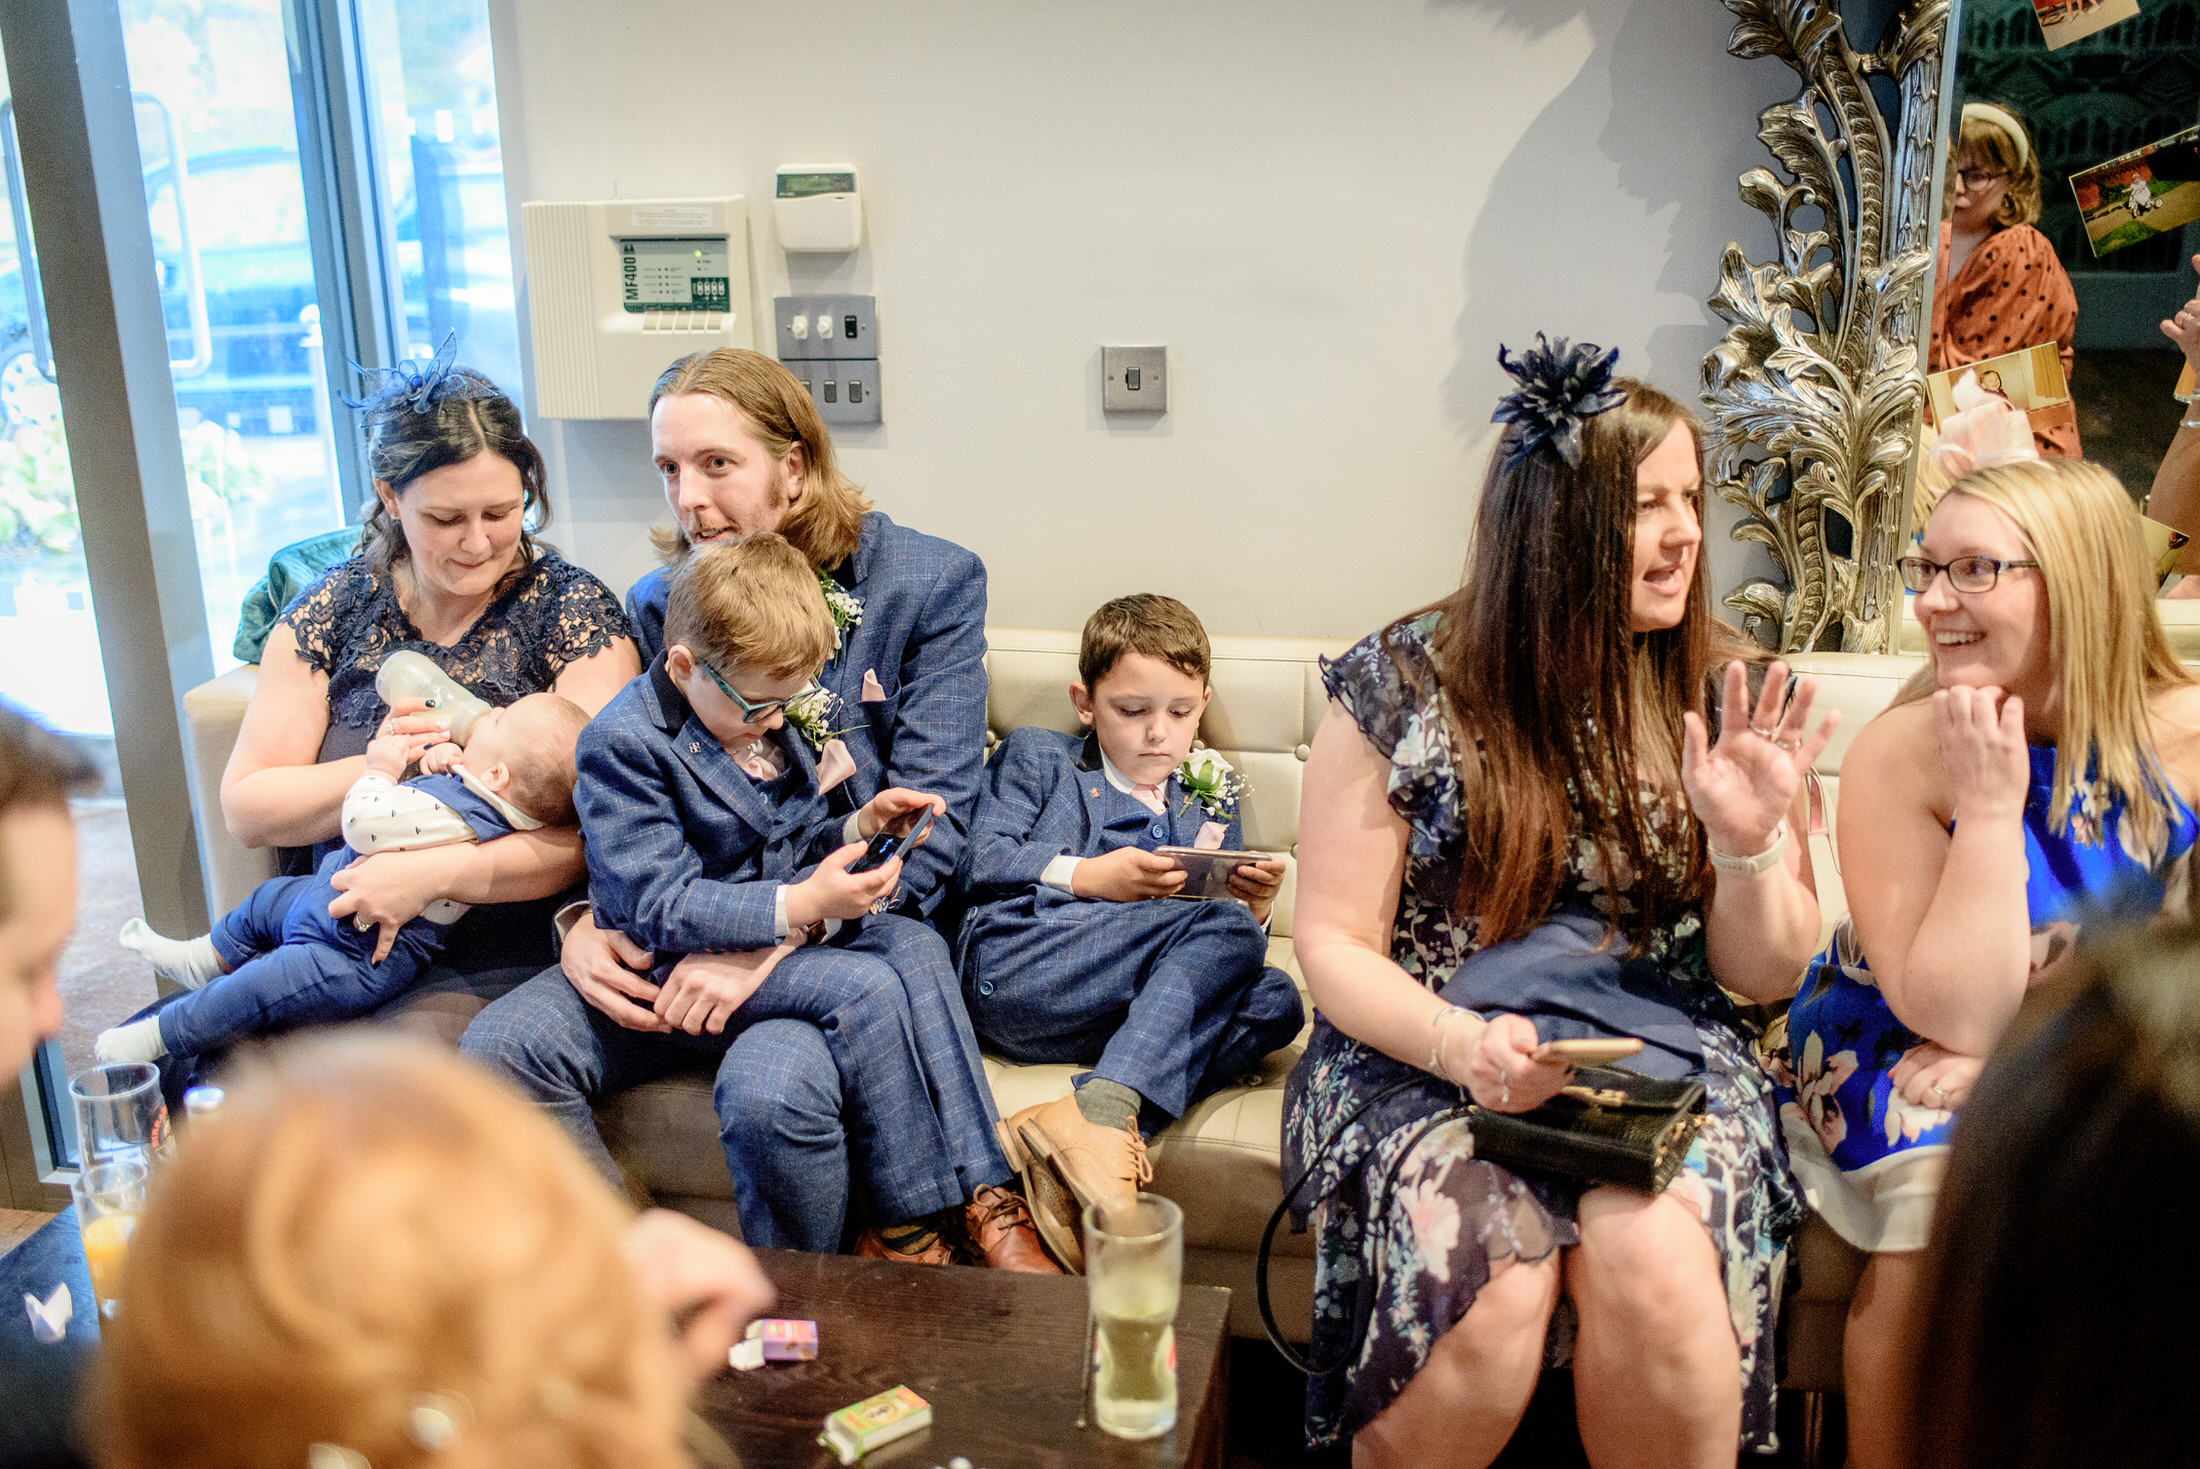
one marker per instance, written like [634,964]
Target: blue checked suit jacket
[1046,796]
[923,636]
[685,851]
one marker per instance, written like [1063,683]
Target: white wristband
[1751,866]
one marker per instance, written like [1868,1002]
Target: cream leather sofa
[1220,1162]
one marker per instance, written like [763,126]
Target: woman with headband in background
[1998,287]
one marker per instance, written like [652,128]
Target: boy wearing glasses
[716,843]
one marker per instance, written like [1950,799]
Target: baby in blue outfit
[279,961]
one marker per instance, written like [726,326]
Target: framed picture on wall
[2064,21]
[2138,195]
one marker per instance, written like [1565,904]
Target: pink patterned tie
[1150,797]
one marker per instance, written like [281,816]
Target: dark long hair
[1548,686]
[404,443]
[2053,1324]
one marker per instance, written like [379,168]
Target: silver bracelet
[2188,423]
[1750,866]
[1437,1032]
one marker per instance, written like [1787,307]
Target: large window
[267,445]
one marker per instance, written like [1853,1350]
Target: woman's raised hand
[1741,787]
[1982,744]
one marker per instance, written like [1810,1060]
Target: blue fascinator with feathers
[1560,385]
[418,386]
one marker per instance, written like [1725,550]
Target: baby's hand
[1256,885]
[1126,875]
[439,759]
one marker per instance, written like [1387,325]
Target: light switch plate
[844,392]
[1134,379]
[839,314]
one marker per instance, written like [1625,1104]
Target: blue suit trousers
[292,965]
[1172,999]
[872,1019]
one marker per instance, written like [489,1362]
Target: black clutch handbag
[1607,1127]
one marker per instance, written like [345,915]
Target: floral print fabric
[554,613]
[1869,1159]
[1449,1219]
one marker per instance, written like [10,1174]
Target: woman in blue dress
[2037,775]
[1529,752]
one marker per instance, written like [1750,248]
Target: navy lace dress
[553,614]
[1450,1215]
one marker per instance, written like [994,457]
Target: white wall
[1332,211]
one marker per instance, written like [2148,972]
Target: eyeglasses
[1979,178]
[761,708]
[1965,573]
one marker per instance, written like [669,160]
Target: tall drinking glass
[1134,1266]
[109,1199]
[119,1114]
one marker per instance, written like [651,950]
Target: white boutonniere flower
[811,712]
[1211,781]
[846,607]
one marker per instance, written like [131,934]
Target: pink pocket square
[1210,837]
[834,765]
[873,691]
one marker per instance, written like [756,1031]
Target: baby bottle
[409,675]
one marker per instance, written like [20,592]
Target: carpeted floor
[101,981]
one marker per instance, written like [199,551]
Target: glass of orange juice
[109,1199]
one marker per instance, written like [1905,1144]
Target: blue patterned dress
[1867,1159]
[1449,1215]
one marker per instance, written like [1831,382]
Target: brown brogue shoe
[1092,1161]
[929,1247]
[998,1228]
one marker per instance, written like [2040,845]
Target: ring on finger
[1771,734]
[1789,745]
[1940,1091]
[1504,1088]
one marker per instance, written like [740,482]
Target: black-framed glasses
[1965,573]
[1979,178]
[751,712]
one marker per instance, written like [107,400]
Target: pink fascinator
[1983,431]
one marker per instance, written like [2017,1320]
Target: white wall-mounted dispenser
[816,207]
[619,288]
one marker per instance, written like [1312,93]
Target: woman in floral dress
[2040,773]
[1465,791]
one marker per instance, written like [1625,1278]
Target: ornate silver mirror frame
[1816,392]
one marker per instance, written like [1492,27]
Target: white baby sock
[189,962]
[137,1041]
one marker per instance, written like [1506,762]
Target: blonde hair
[755,602]
[543,772]
[367,1220]
[1992,145]
[2104,640]
[827,519]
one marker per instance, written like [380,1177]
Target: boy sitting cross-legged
[279,960]
[1063,957]
[714,844]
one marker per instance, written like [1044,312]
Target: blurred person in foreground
[374,1254]
[2058,1290]
[38,771]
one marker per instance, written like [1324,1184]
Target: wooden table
[996,1354]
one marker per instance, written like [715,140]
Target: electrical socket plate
[850,327]
[844,392]
[1134,379]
